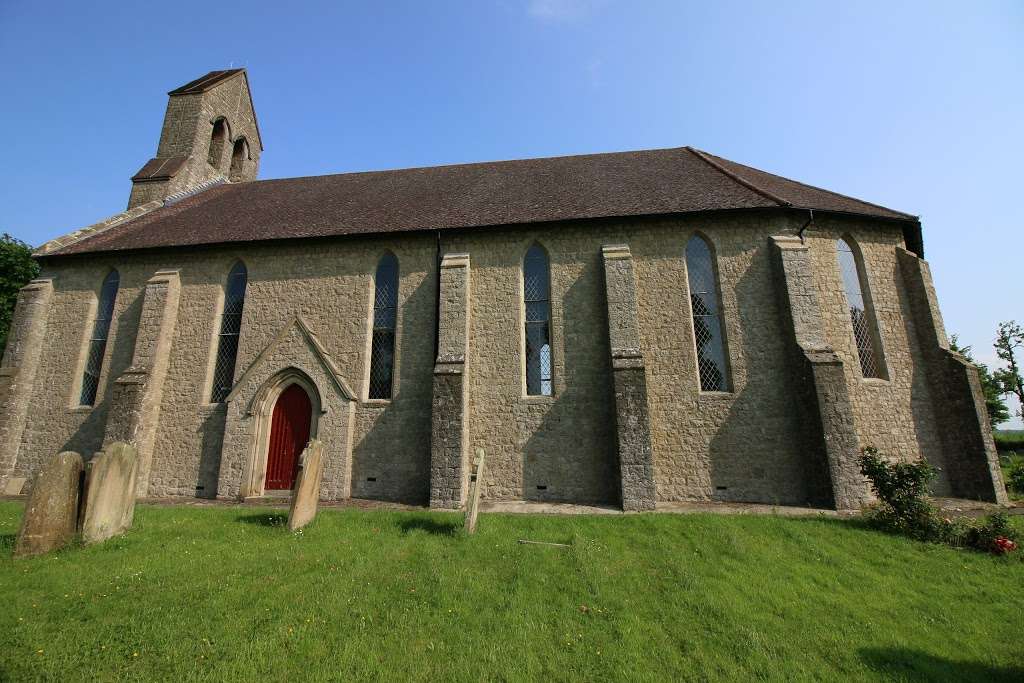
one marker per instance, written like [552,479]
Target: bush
[992,534]
[905,508]
[1016,479]
[902,489]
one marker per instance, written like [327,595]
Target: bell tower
[209,134]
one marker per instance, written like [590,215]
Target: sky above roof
[914,106]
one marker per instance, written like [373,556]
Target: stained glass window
[98,340]
[863,332]
[537,299]
[230,328]
[705,303]
[385,317]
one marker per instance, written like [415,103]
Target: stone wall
[749,444]
[896,414]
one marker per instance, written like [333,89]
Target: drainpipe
[810,220]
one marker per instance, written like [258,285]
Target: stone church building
[625,329]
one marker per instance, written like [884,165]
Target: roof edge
[735,178]
[910,221]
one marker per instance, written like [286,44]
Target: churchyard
[228,593]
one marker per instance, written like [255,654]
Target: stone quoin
[625,328]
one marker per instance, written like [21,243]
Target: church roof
[204,83]
[623,184]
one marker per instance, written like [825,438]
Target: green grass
[1009,439]
[228,594]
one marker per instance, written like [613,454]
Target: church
[625,329]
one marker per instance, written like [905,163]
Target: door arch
[290,424]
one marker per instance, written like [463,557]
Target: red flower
[1004,545]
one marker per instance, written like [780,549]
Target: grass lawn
[228,594]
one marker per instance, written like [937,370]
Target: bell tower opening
[210,134]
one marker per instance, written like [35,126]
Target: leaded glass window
[98,340]
[230,328]
[863,326]
[385,318]
[537,299]
[705,304]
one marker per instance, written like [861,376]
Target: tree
[17,267]
[1009,341]
[998,412]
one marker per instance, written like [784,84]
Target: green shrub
[902,489]
[1016,479]
[905,508]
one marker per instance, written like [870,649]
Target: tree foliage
[1009,347]
[998,412]
[17,267]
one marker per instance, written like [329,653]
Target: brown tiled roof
[160,168]
[204,83]
[623,184]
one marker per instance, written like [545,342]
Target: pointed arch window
[537,302]
[865,328]
[218,138]
[230,328]
[239,154]
[705,304]
[385,318]
[98,340]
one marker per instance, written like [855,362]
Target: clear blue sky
[917,106]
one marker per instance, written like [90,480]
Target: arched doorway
[289,434]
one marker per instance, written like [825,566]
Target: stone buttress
[18,368]
[632,420]
[449,442]
[821,372]
[970,452]
[137,393]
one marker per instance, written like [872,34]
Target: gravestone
[475,485]
[307,486]
[110,493]
[51,511]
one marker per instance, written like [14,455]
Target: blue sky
[917,106]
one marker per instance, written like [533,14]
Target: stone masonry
[449,452]
[183,156]
[18,368]
[750,444]
[967,438]
[633,429]
[138,392]
[822,369]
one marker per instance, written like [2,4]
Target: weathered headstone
[307,486]
[51,511]
[110,493]
[474,492]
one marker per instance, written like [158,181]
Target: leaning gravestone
[474,492]
[110,493]
[51,511]
[307,486]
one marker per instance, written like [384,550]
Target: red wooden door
[289,434]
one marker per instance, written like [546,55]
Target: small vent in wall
[542,487]
[371,479]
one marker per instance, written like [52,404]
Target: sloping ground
[227,594]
